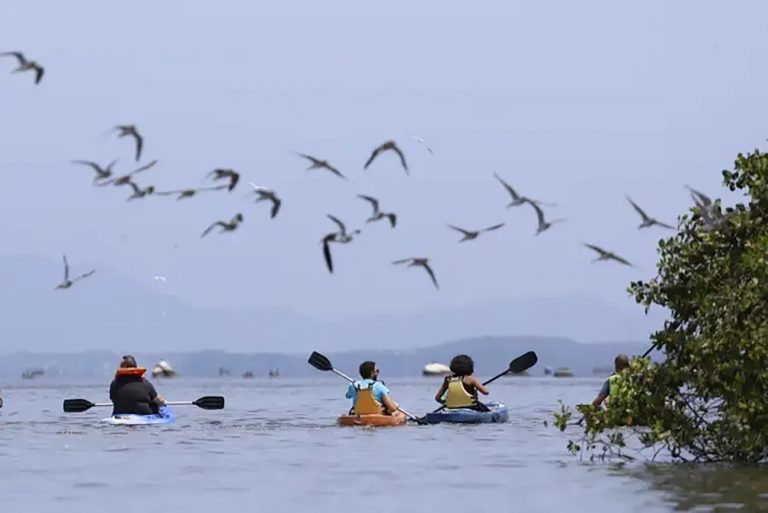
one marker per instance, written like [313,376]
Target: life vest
[457,396]
[620,394]
[131,371]
[366,403]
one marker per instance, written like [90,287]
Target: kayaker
[369,395]
[130,393]
[614,382]
[460,389]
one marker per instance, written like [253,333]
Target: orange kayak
[398,419]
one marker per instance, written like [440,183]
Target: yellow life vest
[457,396]
[365,403]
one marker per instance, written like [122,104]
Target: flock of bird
[106,176]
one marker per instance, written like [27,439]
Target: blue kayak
[498,413]
[165,416]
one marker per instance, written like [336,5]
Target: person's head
[621,362]
[368,370]
[128,362]
[462,365]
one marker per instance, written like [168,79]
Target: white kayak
[165,416]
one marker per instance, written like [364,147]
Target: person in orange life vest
[130,393]
[460,389]
[370,396]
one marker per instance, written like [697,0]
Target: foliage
[708,400]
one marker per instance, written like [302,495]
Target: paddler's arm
[441,392]
[604,392]
[479,386]
[389,403]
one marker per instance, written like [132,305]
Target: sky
[574,103]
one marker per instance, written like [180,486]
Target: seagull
[341,237]
[321,164]
[543,224]
[517,199]
[25,65]
[138,192]
[421,141]
[607,255]
[160,278]
[225,226]
[264,194]
[126,179]
[102,173]
[188,193]
[378,215]
[416,262]
[710,215]
[132,131]
[67,282]
[230,174]
[701,199]
[389,145]
[647,221]
[473,234]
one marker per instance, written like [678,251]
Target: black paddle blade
[523,362]
[77,405]
[320,362]
[210,402]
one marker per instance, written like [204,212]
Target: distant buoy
[436,369]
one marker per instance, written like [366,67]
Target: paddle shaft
[167,403]
[352,381]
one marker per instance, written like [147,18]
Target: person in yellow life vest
[460,389]
[614,385]
[369,395]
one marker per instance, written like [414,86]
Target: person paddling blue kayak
[461,389]
[131,393]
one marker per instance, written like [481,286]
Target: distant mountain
[112,313]
[491,354]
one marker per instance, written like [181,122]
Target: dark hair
[366,369]
[621,362]
[128,362]
[462,365]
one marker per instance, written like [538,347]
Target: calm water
[276,448]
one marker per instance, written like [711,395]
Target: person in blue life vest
[461,388]
[614,385]
[369,395]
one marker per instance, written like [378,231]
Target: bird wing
[19,57]
[149,165]
[461,230]
[66,268]
[234,178]
[426,266]
[392,219]
[614,256]
[403,261]
[327,251]
[596,249]
[214,225]
[399,152]
[333,170]
[373,201]
[84,275]
[338,222]
[170,193]
[512,192]
[309,158]
[663,225]
[275,205]
[638,209]
[539,213]
[373,156]
[139,144]
[136,190]
[700,196]
[494,227]
[39,72]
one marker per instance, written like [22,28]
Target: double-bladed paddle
[208,402]
[519,364]
[321,362]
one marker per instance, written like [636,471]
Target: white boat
[436,369]
[163,369]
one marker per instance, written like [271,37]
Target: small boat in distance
[436,369]
[248,375]
[563,372]
[163,369]
[32,373]
[274,373]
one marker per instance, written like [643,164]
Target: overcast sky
[576,103]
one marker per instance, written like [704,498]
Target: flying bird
[102,173]
[378,215]
[138,192]
[321,164]
[543,224]
[341,237]
[225,226]
[421,141]
[132,131]
[473,234]
[517,199]
[607,255]
[228,174]
[67,282]
[419,262]
[188,193]
[126,179]
[388,146]
[647,220]
[264,194]
[701,199]
[26,65]
[160,278]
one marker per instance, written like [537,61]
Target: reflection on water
[707,487]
